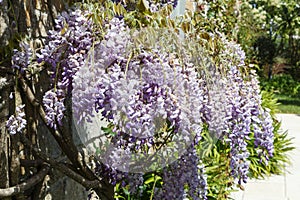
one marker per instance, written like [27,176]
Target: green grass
[288,104]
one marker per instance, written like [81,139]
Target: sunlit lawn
[288,104]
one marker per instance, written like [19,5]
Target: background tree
[270,32]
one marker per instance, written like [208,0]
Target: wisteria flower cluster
[65,51]
[141,92]
[21,59]
[140,95]
[54,107]
[17,122]
[185,171]
[235,111]
[261,121]
[101,56]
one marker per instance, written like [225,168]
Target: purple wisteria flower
[234,110]
[21,59]
[17,122]
[261,120]
[187,171]
[67,46]
[54,108]
[145,95]
[65,51]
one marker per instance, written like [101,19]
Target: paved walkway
[286,187]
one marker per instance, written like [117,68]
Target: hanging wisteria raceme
[235,110]
[54,108]
[254,117]
[17,122]
[228,111]
[265,139]
[67,46]
[86,82]
[216,110]
[65,51]
[239,125]
[21,59]
[262,122]
[186,171]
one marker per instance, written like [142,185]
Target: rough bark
[4,138]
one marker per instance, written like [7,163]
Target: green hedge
[282,84]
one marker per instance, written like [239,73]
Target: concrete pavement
[285,187]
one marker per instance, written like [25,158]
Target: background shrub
[283,84]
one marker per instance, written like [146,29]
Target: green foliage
[270,29]
[266,50]
[283,84]
[270,102]
[282,92]
[214,154]
[225,15]
[146,191]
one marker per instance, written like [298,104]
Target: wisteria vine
[150,97]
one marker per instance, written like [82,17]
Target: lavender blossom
[147,96]
[261,120]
